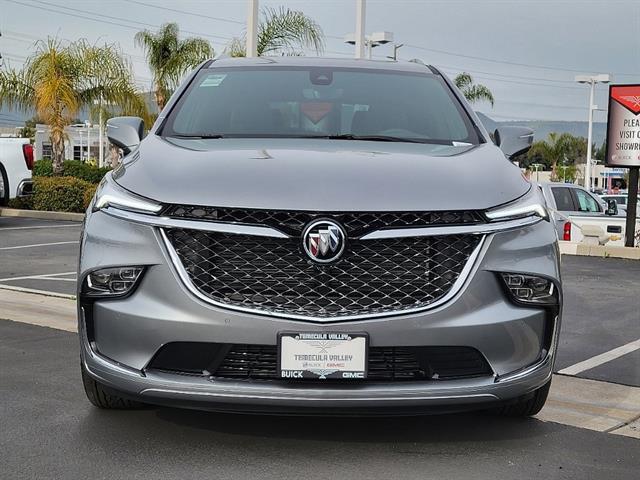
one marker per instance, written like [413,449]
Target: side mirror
[125,132]
[513,141]
[612,207]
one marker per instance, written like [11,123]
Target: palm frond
[287,31]
[473,92]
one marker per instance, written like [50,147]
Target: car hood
[321,175]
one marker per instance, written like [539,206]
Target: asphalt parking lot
[39,254]
[48,429]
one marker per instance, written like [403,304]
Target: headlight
[530,289]
[110,194]
[111,282]
[529,205]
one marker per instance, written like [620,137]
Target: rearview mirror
[612,207]
[513,141]
[125,132]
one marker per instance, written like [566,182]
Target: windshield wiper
[203,136]
[376,138]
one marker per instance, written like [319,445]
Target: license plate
[322,355]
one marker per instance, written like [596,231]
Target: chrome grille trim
[465,273]
[210,226]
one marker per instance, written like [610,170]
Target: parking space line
[41,226]
[45,276]
[38,245]
[39,292]
[600,359]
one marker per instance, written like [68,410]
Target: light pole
[252,29]
[537,167]
[88,124]
[591,80]
[396,47]
[370,41]
[361,15]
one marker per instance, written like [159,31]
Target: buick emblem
[324,241]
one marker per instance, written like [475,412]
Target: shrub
[21,203]
[72,168]
[88,195]
[61,194]
[43,168]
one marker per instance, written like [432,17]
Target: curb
[42,215]
[602,251]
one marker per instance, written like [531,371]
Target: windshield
[352,104]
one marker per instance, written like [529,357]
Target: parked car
[573,206]
[284,239]
[621,200]
[16,163]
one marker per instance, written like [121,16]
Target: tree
[554,150]
[473,92]
[29,129]
[169,58]
[58,81]
[283,31]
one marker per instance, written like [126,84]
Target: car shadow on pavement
[458,427]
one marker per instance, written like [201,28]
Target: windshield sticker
[213,80]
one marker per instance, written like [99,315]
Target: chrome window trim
[457,286]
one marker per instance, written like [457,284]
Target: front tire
[102,398]
[526,406]
[4,187]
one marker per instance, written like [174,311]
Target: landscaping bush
[61,194]
[88,195]
[21,203]
[72,168]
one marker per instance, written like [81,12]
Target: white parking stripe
[29,277]
[39,292]
[602,358]
[41,226]
[38,245]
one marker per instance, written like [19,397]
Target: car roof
[293,61]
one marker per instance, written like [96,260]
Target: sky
[526,51]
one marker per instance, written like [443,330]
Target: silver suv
[306,235]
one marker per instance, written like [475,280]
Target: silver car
[304,235]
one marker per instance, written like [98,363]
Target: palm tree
[58,81]
[555,149]
[473,92]
[169,57]
[283,31]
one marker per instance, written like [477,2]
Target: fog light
[530,289]
[111,282]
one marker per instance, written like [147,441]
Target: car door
[565,205]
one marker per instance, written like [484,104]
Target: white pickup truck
[16,163]
[576,211]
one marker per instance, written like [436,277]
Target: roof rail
[417,60]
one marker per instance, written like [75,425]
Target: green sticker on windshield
[213,80]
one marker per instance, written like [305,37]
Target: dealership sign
[623,128]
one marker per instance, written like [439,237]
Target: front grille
[259,362]
[355,223]
[273,275]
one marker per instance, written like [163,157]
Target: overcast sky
[526,51]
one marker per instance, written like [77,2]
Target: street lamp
[396,47]
[591,80]
[537,167]
[371,41]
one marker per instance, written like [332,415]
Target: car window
[586,203]
[317,101]
[564,201]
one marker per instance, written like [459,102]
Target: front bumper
[121,336]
